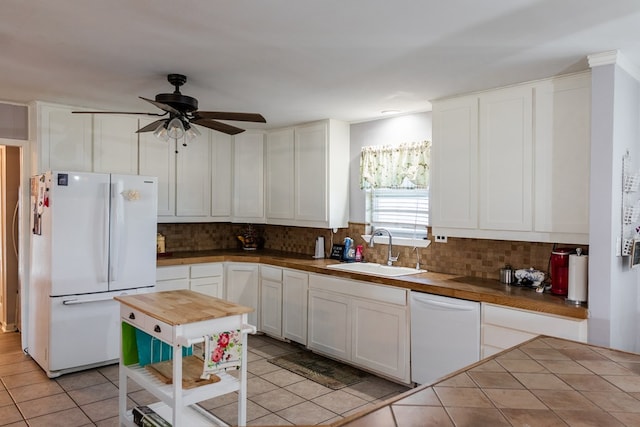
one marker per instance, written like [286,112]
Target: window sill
[398,241]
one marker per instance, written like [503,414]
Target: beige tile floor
[275,396]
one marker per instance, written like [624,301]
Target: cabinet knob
[132,316]
[157,329]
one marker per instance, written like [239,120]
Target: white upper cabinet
[563,156]
[308,175]
[64,139]
[248,177]
[157,158]
[193,177]
[279,175]
[505,168]
[454,168]
[115,144]
[513,163]
[221,175]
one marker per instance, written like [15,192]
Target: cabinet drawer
[172,272]
[206,270]
[498,337]
[158,329]
[354,288]
[271,273]
[535,323]
[132,316]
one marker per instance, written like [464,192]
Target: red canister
[560,271]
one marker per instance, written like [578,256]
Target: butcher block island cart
[158,333]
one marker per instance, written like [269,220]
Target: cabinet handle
[132,316]
[157,329]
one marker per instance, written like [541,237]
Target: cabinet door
[295,285]
[271,307]
[65,139]
[381,338]
[248,173]
[115,144]
[241,286]
[157,158]
[279,175]
[454,169]
[212,286]
[221,175]
[311,172]
[193,178]
[329,324]
[562,155]
[506,159]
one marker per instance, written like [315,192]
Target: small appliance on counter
[560,271]
[319,247]
[507,275]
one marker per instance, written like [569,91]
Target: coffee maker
[560,271]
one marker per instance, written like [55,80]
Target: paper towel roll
[578,271]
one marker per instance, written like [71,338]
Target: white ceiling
[298,60]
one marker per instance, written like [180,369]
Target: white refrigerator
[93,237]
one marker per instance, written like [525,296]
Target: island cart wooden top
[182,306]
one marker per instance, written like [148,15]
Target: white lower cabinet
[242,287]
[295,290]
[271,300]
[283,303]
[330,324]
[172,278]
[503,327]
[364,324]
[208,279]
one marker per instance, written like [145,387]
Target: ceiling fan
[182,111]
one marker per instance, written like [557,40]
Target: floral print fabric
[221,352]
[402,166]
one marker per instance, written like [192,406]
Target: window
[404,212]
[396,180]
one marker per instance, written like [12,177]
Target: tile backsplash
[469,257]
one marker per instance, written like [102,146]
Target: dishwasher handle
[445,305]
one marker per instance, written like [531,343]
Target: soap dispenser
[349,253]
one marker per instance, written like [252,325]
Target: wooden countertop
[182,307]
[469,288]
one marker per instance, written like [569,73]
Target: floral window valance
[402,166]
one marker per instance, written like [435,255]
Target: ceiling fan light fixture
[191,133]
[175,128]
[161,132]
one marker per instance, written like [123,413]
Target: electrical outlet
[441,239]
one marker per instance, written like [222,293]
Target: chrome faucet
[378,232]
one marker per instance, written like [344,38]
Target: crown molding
[614,57]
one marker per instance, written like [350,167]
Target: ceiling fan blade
[226,115]
[151,126]
[166,107]
[118,112]
[221,127]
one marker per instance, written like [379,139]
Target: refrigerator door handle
[117,222]
[85,301]
[105,236]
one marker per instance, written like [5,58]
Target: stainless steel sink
[375,269]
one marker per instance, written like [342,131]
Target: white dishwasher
[445,336]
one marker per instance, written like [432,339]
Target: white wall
[613,286]
[392,131]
